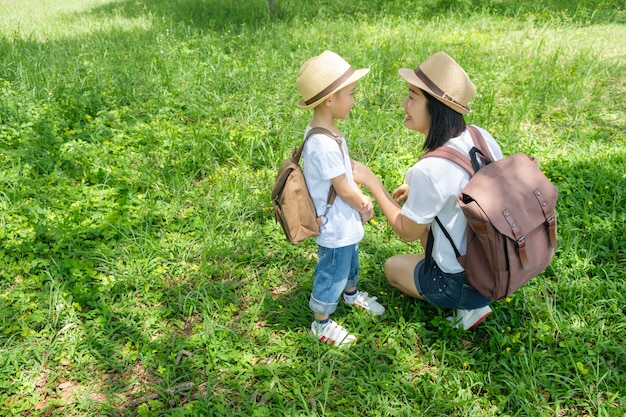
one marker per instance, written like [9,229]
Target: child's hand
[401,193]
[367,210]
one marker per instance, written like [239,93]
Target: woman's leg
[400,272]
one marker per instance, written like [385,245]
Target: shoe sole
[365,309]
[336,343]
[477,322]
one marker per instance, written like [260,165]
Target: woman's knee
[388,266]
[400,270]
[394,268]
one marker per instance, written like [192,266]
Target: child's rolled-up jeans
[336,270]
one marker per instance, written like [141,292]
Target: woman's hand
[362,174]
[401,193]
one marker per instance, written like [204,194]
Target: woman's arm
[405,228]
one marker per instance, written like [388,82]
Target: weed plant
[141,270]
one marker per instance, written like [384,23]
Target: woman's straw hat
[322,76]
[444,79]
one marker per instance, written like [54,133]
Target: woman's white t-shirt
[324,161]
[434,184]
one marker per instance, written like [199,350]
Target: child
[326,83]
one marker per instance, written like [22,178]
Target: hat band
[438,91]
[331,87]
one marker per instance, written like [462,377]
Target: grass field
[142,272]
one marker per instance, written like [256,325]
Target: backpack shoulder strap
[453,155]
[429,244]
[297,153]
[480,142]
[469,164]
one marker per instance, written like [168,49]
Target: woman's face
[415,107]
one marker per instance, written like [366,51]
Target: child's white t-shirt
[323,161]
[434,184]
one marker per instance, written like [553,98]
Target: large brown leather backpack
[511,222]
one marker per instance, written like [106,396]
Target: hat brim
[410,77]
[358,74]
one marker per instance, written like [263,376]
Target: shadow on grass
[225,15]
[592,222]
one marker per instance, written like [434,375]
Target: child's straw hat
[444,79]
[322,76]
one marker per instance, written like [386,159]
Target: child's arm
[354,197]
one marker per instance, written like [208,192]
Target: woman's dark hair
[445,123]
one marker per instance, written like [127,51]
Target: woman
[439,93]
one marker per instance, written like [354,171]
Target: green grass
[138,146]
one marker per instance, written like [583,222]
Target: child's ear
[329,100]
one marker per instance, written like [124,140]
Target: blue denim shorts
[447,290]
[336,270]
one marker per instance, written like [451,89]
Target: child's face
[415,107]
[343,101]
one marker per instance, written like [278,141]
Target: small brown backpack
[293,206]
[511,222]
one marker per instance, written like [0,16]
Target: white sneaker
[469,319]
[333,333]
[363,301]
